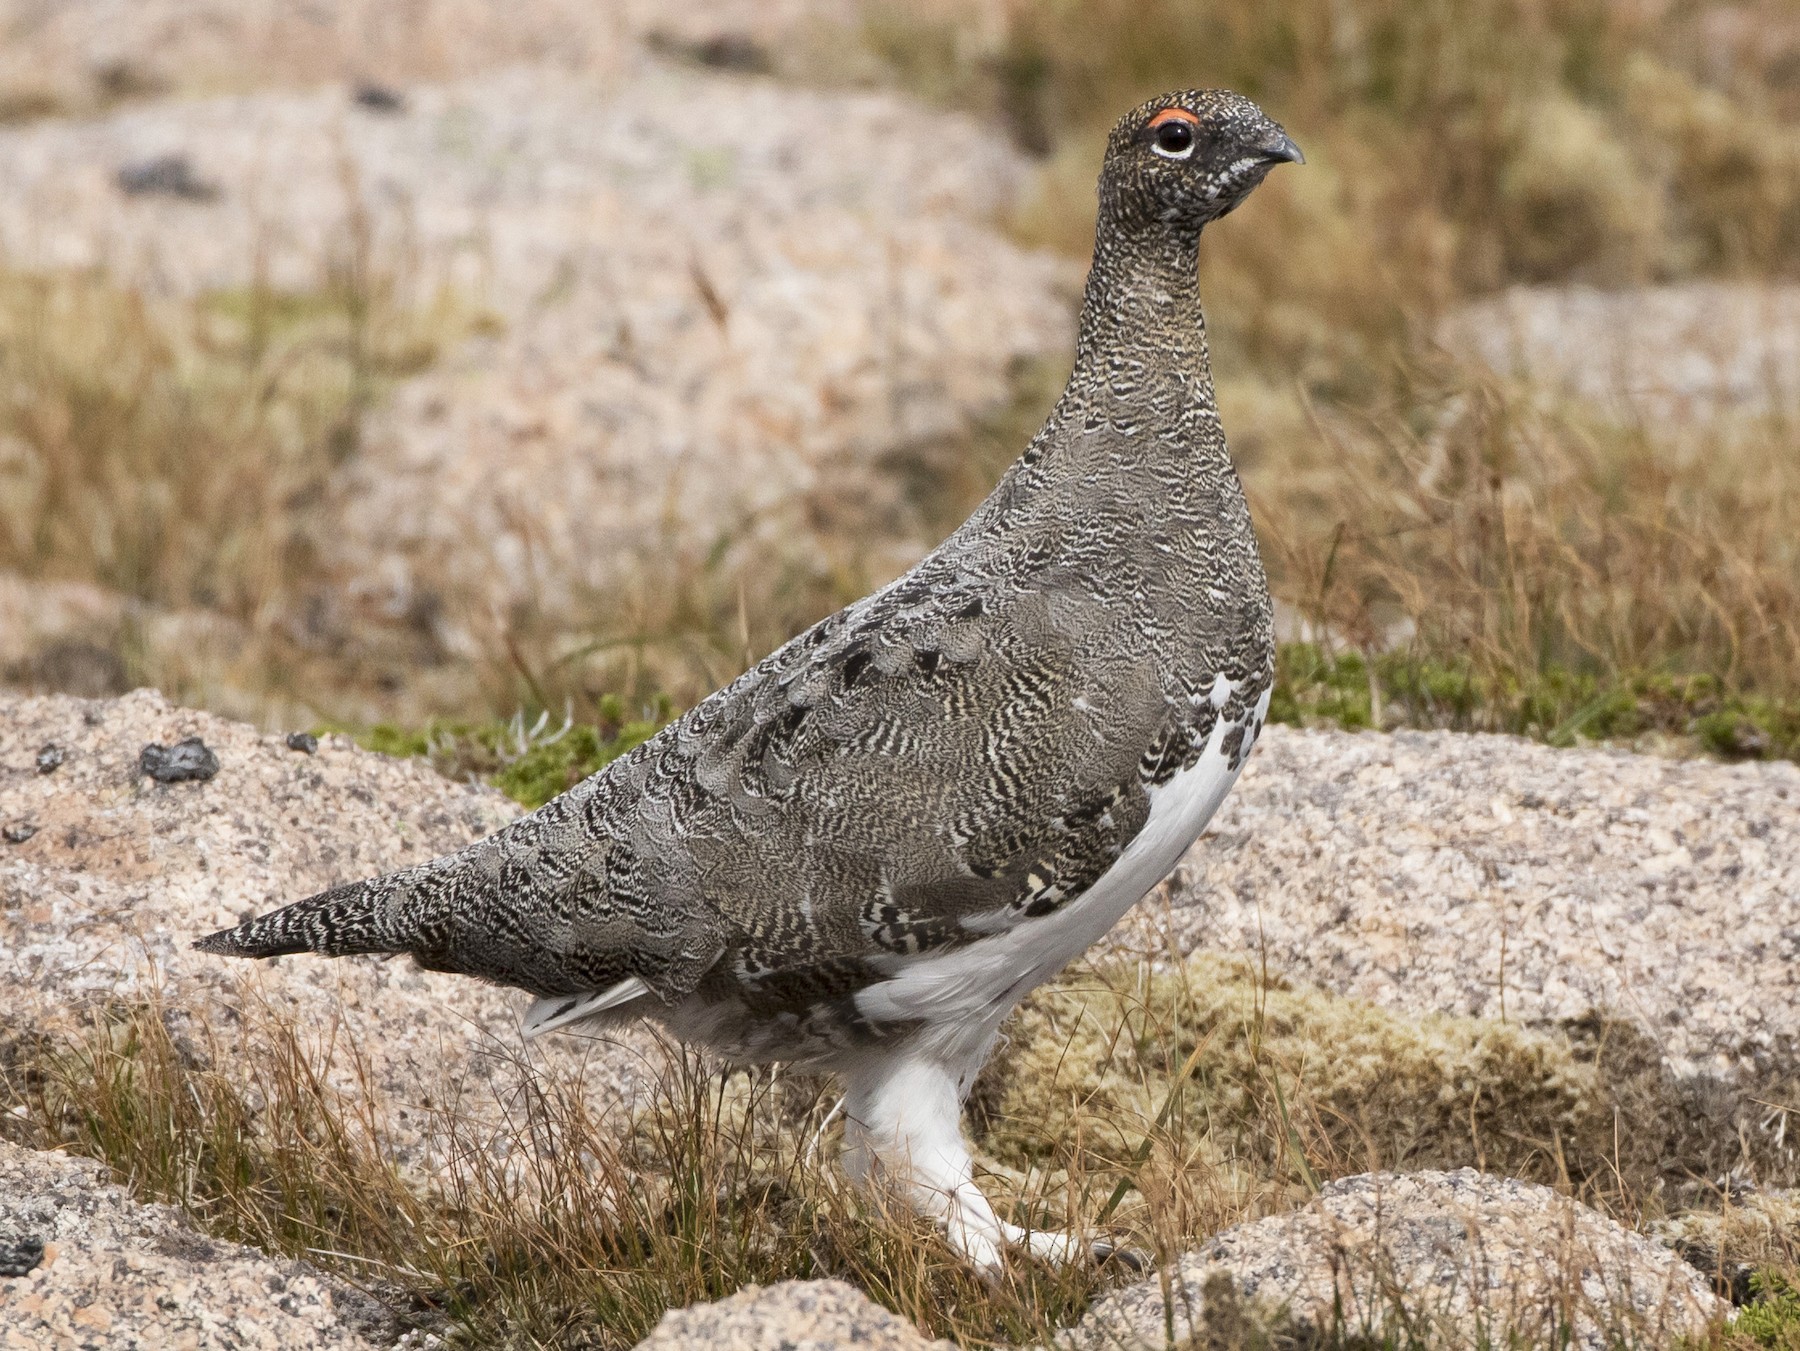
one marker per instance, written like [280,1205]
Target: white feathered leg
[903,1125]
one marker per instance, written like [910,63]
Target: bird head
[1188,158]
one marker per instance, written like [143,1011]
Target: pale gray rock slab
[1499,878]
[1468,1257]
[115,1275]
[83,53]
[119,874]
[1684,353]
[789,1316]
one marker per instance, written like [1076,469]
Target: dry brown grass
[1518,542]
[1522,539]
[1157,1106]
[1467,144]
[176,453]
[552,1228]
[679,621]
[155,462]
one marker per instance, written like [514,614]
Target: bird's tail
[355,918]
[475,913]
[498,910]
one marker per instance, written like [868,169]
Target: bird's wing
[928,766]
[935,763]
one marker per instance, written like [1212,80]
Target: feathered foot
[903,1124]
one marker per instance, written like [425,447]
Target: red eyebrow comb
[1173,115]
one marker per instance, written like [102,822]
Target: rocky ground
[802,1315]
[83,1265]
[1499,878]
[107,876]
[1474,1253]
[69,58]
[1385,867]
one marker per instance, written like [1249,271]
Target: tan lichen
[1282,1074]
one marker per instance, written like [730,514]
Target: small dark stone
[164,176]
[19,1256]
[50,758]
[379,98]
[304,742]
[722,51]
[1745,738]
[189,759]
[732,51]
[186,1245]
[117,81]
[18,833]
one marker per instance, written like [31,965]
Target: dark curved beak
[1281,148]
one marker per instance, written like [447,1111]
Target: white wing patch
[551,1015]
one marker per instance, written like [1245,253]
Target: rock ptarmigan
[862,853]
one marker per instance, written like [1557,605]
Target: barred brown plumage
[863,852]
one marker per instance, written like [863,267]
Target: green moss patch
[1772,1318]
[1557,705]
[529,763]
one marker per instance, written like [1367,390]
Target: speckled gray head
[1188,158]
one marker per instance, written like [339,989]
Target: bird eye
[1174,140]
